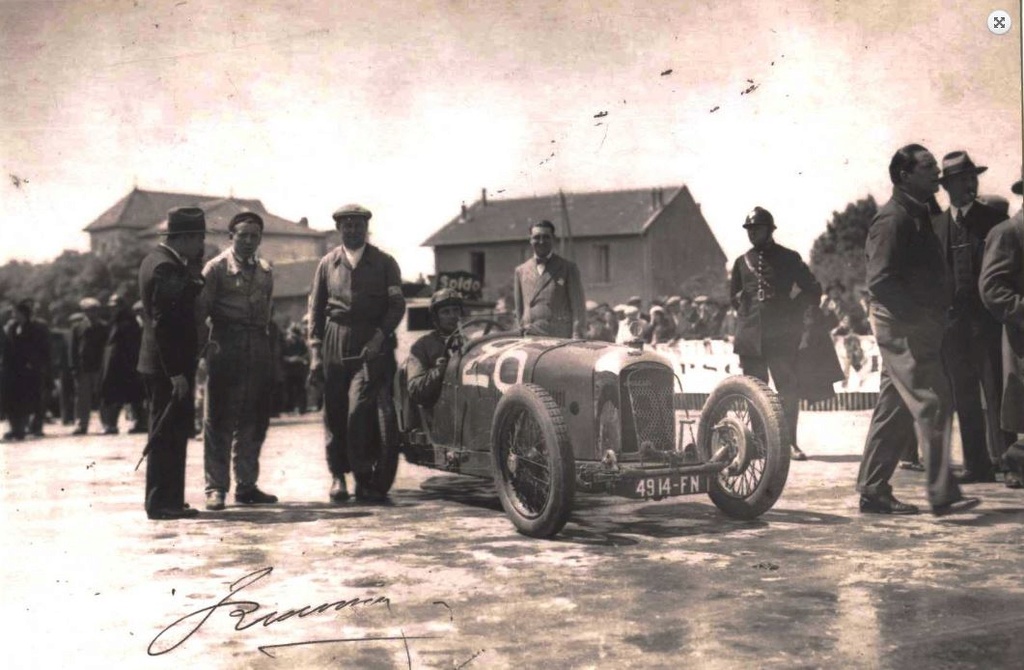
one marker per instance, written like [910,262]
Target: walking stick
[156,430]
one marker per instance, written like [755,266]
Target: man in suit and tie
[548,290]
[972,347]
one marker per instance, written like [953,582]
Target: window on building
[476,264]
[602,263]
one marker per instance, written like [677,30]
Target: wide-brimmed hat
[183,221]
[1018,187]
[958,162]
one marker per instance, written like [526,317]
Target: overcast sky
[411,107]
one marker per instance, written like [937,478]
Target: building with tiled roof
[647,242]
[141,213]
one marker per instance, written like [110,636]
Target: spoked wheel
[387,436]
[743,419]
[534,469]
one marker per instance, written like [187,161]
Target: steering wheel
[488,324]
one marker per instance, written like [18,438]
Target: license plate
[663,486]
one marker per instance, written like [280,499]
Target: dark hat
[759,216]
[1018,187]
[184,220]
[352,210]
[958,162]
[245,217]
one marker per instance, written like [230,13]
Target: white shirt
[353,256]
[541,263]
[966,208]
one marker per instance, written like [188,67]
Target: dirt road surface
[441,580]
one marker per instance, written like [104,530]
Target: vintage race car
[549,418]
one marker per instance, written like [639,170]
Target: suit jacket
[551,303]
[1002,291]
[979,220]
[169,289]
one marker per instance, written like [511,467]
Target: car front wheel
[534,469]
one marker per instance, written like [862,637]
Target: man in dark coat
[972,346]
[88,340]
[548,291]
[906,279]
[1002,290]
[26,358]
[354,307]
[169,282]
[121,384]
[770,316]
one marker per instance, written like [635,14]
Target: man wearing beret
[907,283]
[169,283]
[547,290]
[354,307]
[769,317]
[236,299]
[1002,291]
[972,347]
[88,340]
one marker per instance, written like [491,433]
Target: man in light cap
[909,297]
[548,291]
[169,283]
[88,340]
[354,307]
[1002,291]
[236,300]
[769,317]
[971,348]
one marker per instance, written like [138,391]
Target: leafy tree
[838,253]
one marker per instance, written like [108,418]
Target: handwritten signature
[174,635]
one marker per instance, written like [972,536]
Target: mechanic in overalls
[354,307]
[236,298]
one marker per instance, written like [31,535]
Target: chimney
[654,199]
[465,213]
[661,197]
[304,222]
[483,197]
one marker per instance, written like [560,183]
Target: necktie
[960,217]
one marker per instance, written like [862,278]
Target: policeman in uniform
[548,291]
[428,358]
[169,283]
[973,345]
[354,307]
[236,298]
[769,317]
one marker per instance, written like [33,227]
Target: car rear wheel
[534,469]
[744,417]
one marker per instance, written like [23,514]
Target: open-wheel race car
[549,418]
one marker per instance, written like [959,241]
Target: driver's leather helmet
[443,298]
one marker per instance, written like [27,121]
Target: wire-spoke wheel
[533,461]
[744,417]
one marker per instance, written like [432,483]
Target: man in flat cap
[972,346]
[236,299]
[88,340]
[909,296]
[354,307]
[169,283]
[770,316]
[1002,291]
[547,290]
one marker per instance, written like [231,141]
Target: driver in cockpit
[428,357]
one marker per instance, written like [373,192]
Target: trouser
[110,413]
[780,362]
[168,438]
[350,406]
[238,399]
[972,356]
[295,390]
[914,397]
[87,389]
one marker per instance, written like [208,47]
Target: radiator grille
[650,394]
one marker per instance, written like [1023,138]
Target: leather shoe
[370,495]
[79,431]
[110,431]
[136,430]
[915,466]
[254,496]
[885,504]
[339,493]
[961,504]
[1012,480]
[215,500]
[972,477]
[797,454]
[166,513]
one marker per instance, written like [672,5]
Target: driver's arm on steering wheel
[425,368]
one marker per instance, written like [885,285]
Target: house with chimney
[140,214]
[648,242]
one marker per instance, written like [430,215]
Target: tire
[387,437]
[746,407]
[537,494]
